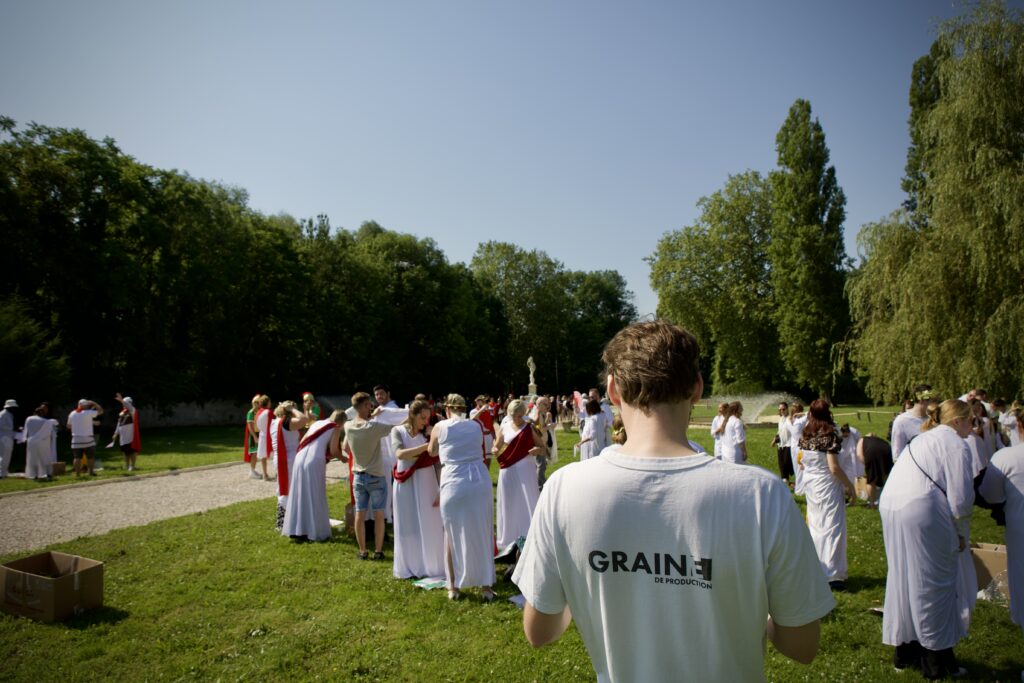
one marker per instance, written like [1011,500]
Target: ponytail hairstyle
[946,413]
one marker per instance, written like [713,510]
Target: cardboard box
[990,565]
[51,586]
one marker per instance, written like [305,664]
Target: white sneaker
[254,475]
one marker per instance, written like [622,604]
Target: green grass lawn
[163,449]
[221,596]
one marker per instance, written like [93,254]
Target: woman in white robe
[797,422]
[419,531]
[926,509]
[306,516]
[590,445]
[734,439]
[40,434]
[284,440]
[517,476]
[718,427]
[467,502]
[1004,483]
[824,481]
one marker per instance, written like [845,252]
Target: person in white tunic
[515,448]
[285,432]
[824,483]
[467,502]
[734,439]
[852,467]
[629,545]
[7,434]
[926,509]
[40,433]
[1004,483]
[589,445]
[419,531]
[907,425]
[718,427]
[306,516]
[795,427]
[781,444]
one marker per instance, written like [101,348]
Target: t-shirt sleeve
[536,572]
[797,590]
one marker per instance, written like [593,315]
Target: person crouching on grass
[720,560]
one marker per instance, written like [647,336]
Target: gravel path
[39,518]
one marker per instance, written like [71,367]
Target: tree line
[938,293]
[121,276]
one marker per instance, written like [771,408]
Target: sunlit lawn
[163,449]
[221,596]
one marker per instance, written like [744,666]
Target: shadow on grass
[95,617]
[984,671]
[856,584]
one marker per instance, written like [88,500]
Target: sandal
[487,595]
[454,594]
[363,555]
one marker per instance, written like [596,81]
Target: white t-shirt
[671,566]
[82,435]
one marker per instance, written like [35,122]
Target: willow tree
[954,284]
[806,251]
[713,278]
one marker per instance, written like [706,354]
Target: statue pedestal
[532,390]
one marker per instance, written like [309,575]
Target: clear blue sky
[586,129]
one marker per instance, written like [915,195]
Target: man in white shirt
[83,438]
[670,562]
[907,425]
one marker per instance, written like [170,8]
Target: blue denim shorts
[370,491]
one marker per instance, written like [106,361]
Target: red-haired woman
[824,482]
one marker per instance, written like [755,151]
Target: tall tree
[806,251]
[600,305]
[963,265]
[532,288]
[713,278]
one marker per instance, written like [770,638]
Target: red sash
[425,460]
[282,461]
[137,440]
[517,449]
[312,436]
[486,420]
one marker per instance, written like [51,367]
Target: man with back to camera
[687,593]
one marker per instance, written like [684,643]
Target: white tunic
[848,461]
[1004,481]
[40,433]
[419,531]
[262,421]
[467,502]
[291,447]
[306,512]
[905,428]
[826,514]
[796,430]
[518,489]
[715,424]
[591,448]
[734,435]
[921,519]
